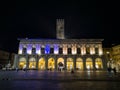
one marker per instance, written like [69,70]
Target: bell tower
[60,29]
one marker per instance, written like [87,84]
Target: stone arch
[51,63]
[22,62]
[41,64]
[32,63]
[79,64]
[89,63]
[98,63]
[70,64]
[60,60]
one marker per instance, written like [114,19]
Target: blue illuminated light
[37,48]
[29,48]
[47,49]
[56,48]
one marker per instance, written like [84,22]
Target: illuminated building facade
[77,54]
[116,56]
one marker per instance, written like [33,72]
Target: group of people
[24,68]
[111,67]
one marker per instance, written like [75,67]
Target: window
[33,51]
[69,50]
[60,51]
[78,51]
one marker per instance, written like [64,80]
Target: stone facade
[78,54]
[116,56]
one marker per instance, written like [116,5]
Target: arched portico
[98,63]
[41,64]
[79,64]
[22,62]
[89,64]
[70,64]
[60,63]
[32,63]
[51,63]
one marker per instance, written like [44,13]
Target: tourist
[114,68]
[72,71]
[109,68]
[16,69]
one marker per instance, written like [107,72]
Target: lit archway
[32,63]
[22,62]
[98,63]
[41,64]
[70,65]
[79,64]
[89,63]
[60,63]
[51,63]
[60,60]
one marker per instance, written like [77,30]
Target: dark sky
[37,19]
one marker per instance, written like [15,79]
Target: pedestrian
[109,68]
[114,68]
[72,71]
[16,69]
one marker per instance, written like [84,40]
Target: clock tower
[60,29]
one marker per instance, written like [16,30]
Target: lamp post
[108,53]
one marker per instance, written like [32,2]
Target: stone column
[27,61]
[64,49]
[84,63]
[65,63]
[55,63]
[81,50]
[74,63]
[100,50]
[84,50]
[46,63]
[37,60]
[74,49]
[93,60]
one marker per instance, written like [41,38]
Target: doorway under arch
[41,64]
[79,64]
[89,64]
[60,63]
[98,63]
[22,63]
[70,65]
[32,63]
[51,63]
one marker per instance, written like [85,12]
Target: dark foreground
[51,80]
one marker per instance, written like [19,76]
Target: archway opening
[70,65]
[60,64]
[32,63]
[79,64]
[51,64]
[89,64]
[98,63]
[22,63]
[41,64]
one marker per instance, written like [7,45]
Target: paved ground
[55,80]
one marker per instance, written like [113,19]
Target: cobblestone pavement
[55,80]
[57,75]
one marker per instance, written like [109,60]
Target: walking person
[16,69]
[114,68]
[109,68]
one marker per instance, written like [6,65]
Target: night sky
[84,19]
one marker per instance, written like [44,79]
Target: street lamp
[108,55]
